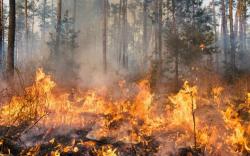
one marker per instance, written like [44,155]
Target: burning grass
[130,120]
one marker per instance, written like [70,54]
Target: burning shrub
[32,105]
[103,122]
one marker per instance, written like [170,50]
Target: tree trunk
[26,26]
[158,40]
[74,15]
[160,37]
[11,39]
[44,20]
[1,33]
[215,34]
[239,15]
[245,25]
[243,22]
[105,27]
[224,31]
[176,50]
[120,34]
[3,37]
[58,25]
[232,53]
[237,20]
[156,11]
[124,34]
[145,30]
[32,29]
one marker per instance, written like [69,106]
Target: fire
[183,101]
[143,100]
[131,117]
[237,139]
[30,105]
[106,151]
[217,92]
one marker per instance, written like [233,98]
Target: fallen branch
[31,126]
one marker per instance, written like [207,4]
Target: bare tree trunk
[32,29]
[1,33]
[224,30]
[26,27]
[58,25]
[44,20]
[239,14]
[11,39]
[237,20]
[176,50]
[120,34]
[52,8]
[245,25]
[74,14]
[232,53]
[124,34]
[3,43]
[156,29]
[145,30]
[215,34]
[160,37]
[105,27]
[158,41]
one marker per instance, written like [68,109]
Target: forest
[124,78]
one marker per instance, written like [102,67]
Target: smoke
[87,56]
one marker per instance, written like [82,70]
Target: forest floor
[129,120]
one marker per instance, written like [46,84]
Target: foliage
[63,54]
[190,35]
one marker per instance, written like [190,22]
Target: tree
[65,59]
[74,13]
[176,50]
[242,15]
[224,33]
[26,25]
[26,11]
[45,12]
[145,27]
[105,27]
[159,37]
[185,45]
[44,20]
[215,32]
[232,41]
[157,61]
[124,34]
[58,25]
[244,23]
[1,32]
[11,39]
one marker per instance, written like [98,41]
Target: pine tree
[11,39]
[1,33]
[186,45]
[105,27]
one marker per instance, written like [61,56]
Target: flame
[143,100]
[128,117]
[237,139]
[106,151]
[30,105]
[183,100]
[217,92]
